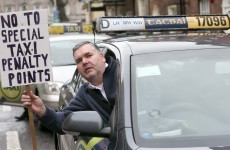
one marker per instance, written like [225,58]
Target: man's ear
[103,57]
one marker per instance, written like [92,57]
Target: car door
[68,91]
[99,143]
[80,143]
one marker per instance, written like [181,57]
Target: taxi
[173,89]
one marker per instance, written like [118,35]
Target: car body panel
[58,71]
[60,75]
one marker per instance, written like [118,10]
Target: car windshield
[181,98]
[61,52]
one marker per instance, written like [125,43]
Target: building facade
[181,7]
[73,9]
[88,10]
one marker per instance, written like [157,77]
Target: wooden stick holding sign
[31,121]
[25,52]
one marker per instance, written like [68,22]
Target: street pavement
[16,135]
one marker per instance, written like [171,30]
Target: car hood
[63,73]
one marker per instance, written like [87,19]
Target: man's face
[90,64]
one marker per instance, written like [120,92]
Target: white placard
[24,48]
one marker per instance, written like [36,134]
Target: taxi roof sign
[158,23]
[61,29]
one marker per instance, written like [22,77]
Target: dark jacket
[83,101]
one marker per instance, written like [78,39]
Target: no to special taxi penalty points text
[25,56]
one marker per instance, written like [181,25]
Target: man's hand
[35,102]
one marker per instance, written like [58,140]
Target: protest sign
[24,48]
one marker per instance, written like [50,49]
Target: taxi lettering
[72,29]
[166,21]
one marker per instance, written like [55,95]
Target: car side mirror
[85,123]
[65,84]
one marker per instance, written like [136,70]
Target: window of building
[172,10]
[143,7]
[67,9]
[50,9]
[37,6]
[23,6]
[226,7]
[9,8]
[155,11]
[204,7]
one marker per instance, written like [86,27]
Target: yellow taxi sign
[87,28]
[154,23]
[64,29]
[56,29]
[61,29]
[208,22]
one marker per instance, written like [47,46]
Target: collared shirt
[100,87]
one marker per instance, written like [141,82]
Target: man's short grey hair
[76,47]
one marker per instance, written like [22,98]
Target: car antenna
[94,30]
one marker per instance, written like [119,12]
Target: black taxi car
[173,89]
